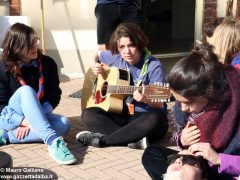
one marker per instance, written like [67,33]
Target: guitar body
[94,94]
[107,90]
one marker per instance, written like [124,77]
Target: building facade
[67,28]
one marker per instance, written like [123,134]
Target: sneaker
[142,144]
[2,139]
[60,153]
[88,138]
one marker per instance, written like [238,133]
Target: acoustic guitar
[108,90]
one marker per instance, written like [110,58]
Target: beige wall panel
[4,8]
[221,7]
[70,31]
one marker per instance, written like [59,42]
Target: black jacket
[52,91]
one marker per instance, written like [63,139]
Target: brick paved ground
[93,163]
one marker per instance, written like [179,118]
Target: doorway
[169,25]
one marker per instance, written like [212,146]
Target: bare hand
[190,135]
[206,151]
[22,132]
[97,68]
[138,96]
[142,98]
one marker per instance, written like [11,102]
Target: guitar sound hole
[123,74]
[104,89]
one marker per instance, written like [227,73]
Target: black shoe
[142,144]
[88,138]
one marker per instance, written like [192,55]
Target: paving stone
[93,163]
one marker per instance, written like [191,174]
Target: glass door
[170,25]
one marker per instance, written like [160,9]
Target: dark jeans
[154,160]
[110,15]
[122,129]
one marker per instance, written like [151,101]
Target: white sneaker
[142,144]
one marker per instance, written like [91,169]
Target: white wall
[6,21]
[4,11]
[198,20]
[221,7]
[70,31]
[4,8]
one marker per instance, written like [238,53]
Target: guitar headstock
[158,92]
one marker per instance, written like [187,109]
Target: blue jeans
[25,104]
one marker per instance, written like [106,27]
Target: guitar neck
[113,89]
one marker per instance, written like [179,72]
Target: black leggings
[123,129]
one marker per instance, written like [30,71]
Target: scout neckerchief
[40,81]
[143,73]
[144,67]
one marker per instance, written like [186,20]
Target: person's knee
[66,126]
[85,114]
[88,113]
[24,90]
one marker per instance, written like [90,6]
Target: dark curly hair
[133,32]
[200,74]
[18,37]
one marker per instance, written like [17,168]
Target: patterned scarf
[40,93]
[236,60]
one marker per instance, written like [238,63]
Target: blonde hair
[226,39]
